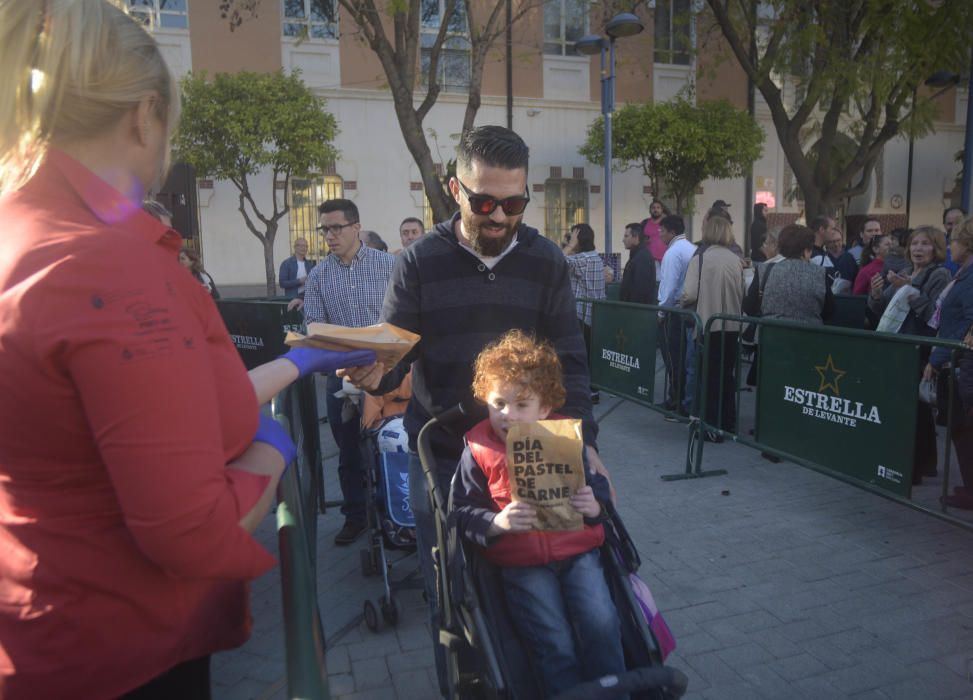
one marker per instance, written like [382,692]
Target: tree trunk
[268,244]
[415,140]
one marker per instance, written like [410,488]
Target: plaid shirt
[348,295]
[587,280]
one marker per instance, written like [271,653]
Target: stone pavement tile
[413,685]
[815,687]
[862,677]
[409,660]
[379,644]
[713,670]
[337,660]
[697,683]
[370,673]
[773,641]
[734,629]
[824,650]
[794,668]
[942,685]
[745,655]
[960,663]
[340,684]
[766,682]
[386,692]
[871,694]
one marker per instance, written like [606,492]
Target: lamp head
[590,45]
[941,79]
[624,24]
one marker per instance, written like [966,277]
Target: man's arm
[667,280]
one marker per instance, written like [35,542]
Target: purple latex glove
[308,360]
[272,433]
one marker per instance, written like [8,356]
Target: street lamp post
[620,26]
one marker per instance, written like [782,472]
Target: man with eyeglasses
[463,285]
[346,289]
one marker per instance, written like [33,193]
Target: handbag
[657,625]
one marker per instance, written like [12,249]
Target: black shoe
[770,458]
[352,530]
[712,436]
[595,397]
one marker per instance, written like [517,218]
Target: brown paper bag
[545,468]
[389,342]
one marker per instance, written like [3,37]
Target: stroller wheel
[390,611]
[368,566]
[371,616]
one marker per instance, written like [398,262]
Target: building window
[454,58]
[160,14]
[565,21]
[304,195]
[673,31]
[565,204]
[310,19]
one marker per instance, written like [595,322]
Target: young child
[555,587]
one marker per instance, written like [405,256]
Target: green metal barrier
[612,291]
[297,542]
[839,401]
[625,338]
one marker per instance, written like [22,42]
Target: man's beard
[488,247]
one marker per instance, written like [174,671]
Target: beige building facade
[556,96]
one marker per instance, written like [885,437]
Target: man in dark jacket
[462,285]
[638,277]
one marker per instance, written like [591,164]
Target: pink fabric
[653,240]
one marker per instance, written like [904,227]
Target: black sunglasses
[484,204]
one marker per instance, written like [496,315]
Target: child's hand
[516,517]
[585,503]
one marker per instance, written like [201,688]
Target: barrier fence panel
[623,350]
[297,544]
[840,401]
[631,344]
[828,399]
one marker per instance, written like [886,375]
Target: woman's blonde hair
[963,233]
[71,69]
[717,230]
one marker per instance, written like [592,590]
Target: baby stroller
[484,655]
[389,517]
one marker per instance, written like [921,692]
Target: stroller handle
[671,681]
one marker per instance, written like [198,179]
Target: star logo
[830,376]
[621,340]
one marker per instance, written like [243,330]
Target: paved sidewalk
[778,582]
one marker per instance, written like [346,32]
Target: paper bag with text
[390,343]
[545,467]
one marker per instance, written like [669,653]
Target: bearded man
[463,285]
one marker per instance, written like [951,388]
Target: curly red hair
[521,360]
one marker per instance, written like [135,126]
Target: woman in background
[190,260]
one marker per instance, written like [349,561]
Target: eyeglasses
[484,204]
[334,229]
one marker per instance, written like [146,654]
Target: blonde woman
[715,284]
[134,462]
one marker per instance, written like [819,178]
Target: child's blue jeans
[565,614]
